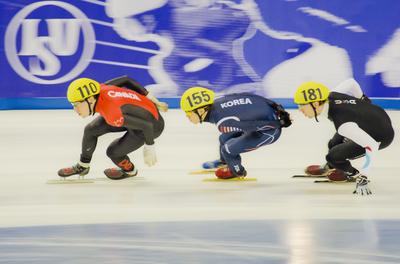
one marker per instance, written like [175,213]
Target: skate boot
[336,175]
[213,164]
[317,170]
[119,174]
[77,169]
[225,173]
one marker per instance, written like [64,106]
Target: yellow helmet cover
[81,89]
[196,97]
[311,92]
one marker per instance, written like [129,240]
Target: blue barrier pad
[62,103]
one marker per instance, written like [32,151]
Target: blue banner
[267,47]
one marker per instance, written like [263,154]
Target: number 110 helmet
[81,89]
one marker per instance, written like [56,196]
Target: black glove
[284,118]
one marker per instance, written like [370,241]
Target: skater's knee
[222,139]
[331,158]
[335,140]
[112,152]
[331,144]
[335,160]
[225,150]
[229,153]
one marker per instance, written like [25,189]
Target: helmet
[196,97]
[82,88]
[311,92]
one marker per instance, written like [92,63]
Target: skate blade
[69,181]
[229,180]
[308,176]
[203,171]
[334,182]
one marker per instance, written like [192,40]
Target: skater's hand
[362,186]
[284,118]
[149,155]
[163,107]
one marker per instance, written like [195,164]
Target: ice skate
[76,169]
[119,174]
[210,167]
[317,170]
[215,164]
[338,176]
[314,171]
[225,174]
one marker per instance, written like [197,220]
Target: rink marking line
[89,180]
[308,176]
[203,171]
[237,179]
[69,181]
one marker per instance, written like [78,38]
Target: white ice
[35,144]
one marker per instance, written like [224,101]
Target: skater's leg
[118,152]
[246,142]
[320,170]
[92,132]
[220,162]
[335,140]
[223,138]
[120,148]
[339,156]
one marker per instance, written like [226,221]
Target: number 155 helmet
[196,97]
[311,92]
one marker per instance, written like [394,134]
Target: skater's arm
[352,131]
[160,105]
[127,82]
[97,126]
[248,126]
[350,87]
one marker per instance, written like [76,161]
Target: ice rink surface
[166,215]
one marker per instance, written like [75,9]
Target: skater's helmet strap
[196,97]
[311,92]
[81,89]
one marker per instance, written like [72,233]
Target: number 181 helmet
[311,92]
[196,97]
[81,89]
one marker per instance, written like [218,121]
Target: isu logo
[44,43]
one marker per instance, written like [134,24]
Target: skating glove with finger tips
[149,155]
[163,107]
[362,186]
